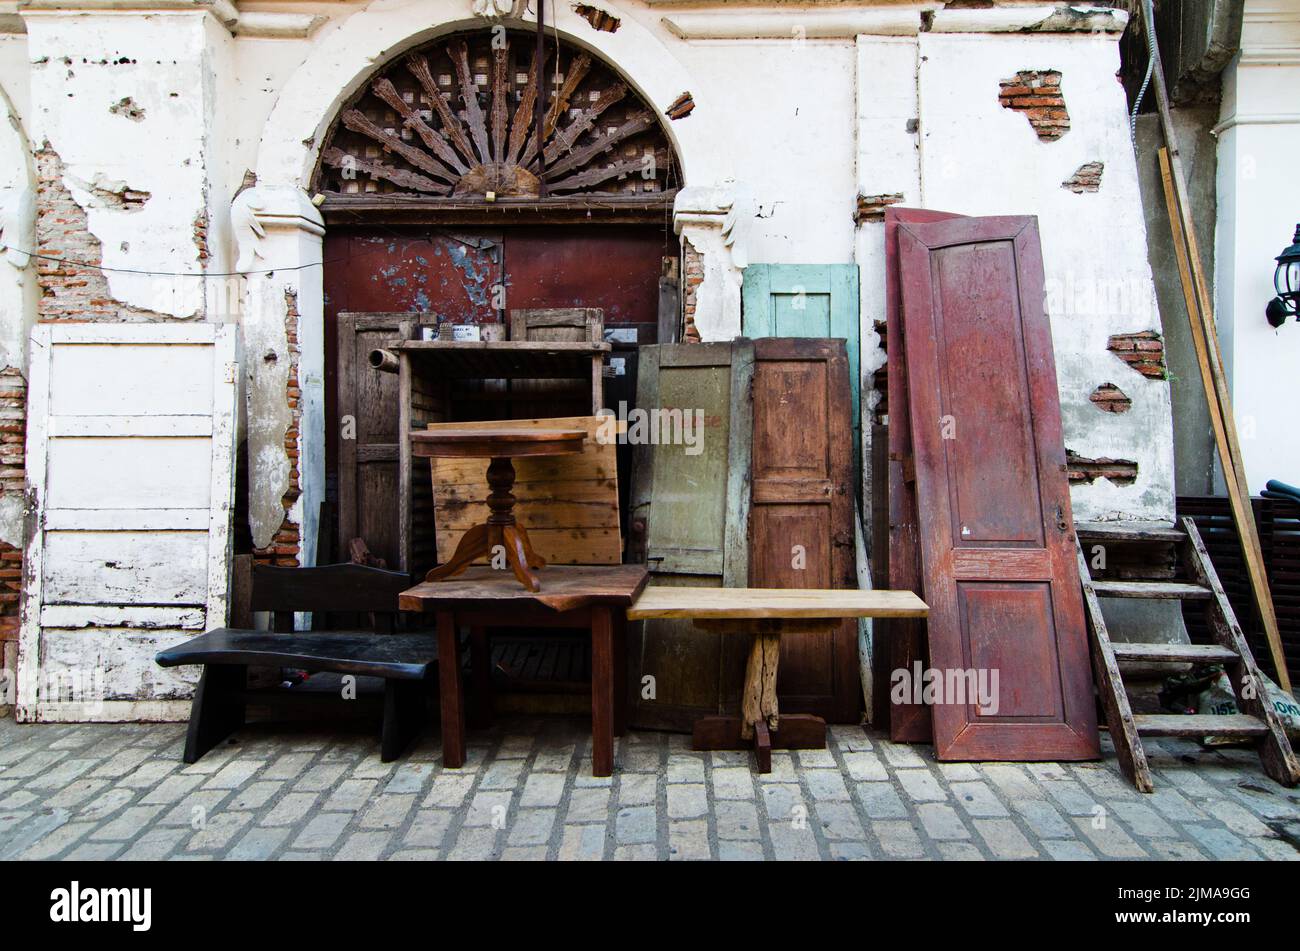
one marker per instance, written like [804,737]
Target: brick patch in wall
[599,19]
[693,263]
[1086,178]
[1036,93]
[681,107]
[1109,398]
[872,207]
[286,543]
[1143,351]
[72,285]
[1087,471]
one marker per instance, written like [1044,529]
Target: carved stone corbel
[714,223]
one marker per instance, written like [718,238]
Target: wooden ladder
[1259,719]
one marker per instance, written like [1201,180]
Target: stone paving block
[816,759]
[1177,850]
[387,811]
[1043,819]
[839,820]
[900,755]
[898,839]
[1069,850]
[448,790]
[781,799]
[54,843]
[74,793]
[826,784]
[920,785]
[582,843]
[941,821]
[733,782]
[258,844]
[490,808]
[978,800]
[637,789]
[320,778]
[234,774]
[685,769]
[542,789]
[287,765]
[589,805]
[1012,781]
[256,795]
[688,840]
[736,819]
[636,853]
[1236,817]
[172,789]
[793,843]
[194,809]
[553,759]
[850,852]
[959,852]
[1172,804]
[783,769]
[410,778]
[1219,842]
[218,831]
[740,851]
[880,800]
[850,739]
[865,766]
[959,772]
[635,824]
[428,830]
[322,830]
[155,845]
[1072,799]
[1109,838]
[363,846]
[1142,820]
[290,810]
[1004,839]
[531,827]
[127,824]
[502,774]
[686,800]
[106,803]
[474,845]
[350,795]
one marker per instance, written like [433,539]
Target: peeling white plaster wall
[978,158]
[159,61]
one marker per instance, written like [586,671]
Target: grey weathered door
[689,521]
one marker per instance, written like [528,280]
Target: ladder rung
[1160,590]
[1129,532]
[1199,724]
[1175,653]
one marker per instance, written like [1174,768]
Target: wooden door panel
[801,517]
[983,400]
[902,640]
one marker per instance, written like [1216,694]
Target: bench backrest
[336,589]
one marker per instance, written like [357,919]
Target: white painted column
[278,233]
[1259,207]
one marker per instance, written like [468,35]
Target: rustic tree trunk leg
[759,699]
[450,694]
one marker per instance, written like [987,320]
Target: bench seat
[390,656]
[405,663]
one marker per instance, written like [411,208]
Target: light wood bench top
[667,602]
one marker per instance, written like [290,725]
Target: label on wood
[905,639]
[690,503]
[568,504]
[801,519]
[130,463]
[997,547]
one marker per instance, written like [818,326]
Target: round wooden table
[500,527]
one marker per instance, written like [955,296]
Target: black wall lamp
[1287,281]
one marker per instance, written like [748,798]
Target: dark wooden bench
[405,662]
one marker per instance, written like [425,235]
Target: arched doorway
[440,206]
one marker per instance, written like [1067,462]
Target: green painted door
[806,300]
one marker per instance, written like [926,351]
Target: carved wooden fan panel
[455,120]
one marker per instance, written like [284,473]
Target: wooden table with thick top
[500,527]
[766,614]
[594,597]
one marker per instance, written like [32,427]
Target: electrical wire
[1146,82]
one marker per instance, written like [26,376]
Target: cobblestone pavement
[121,791]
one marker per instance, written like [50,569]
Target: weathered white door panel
[131,436]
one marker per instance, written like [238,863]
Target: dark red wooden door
[801,515]
[904,641]
[993,501]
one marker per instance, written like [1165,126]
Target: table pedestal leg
[761,725]
[602,692]
[501,529]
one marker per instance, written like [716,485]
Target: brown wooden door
[994,505]
[367,433]
[902,640]
[801,515]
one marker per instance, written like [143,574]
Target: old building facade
[185,161]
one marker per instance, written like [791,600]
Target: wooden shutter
[690,514]
[368,464]
[130,468]
[903,638]
[802,520]
[805,300]
[994,506]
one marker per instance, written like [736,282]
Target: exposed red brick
[1143,351]
[1037,94]
[1086,178]
[1109,398]
[1084,470]
[285,544]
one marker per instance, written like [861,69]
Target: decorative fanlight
[1286,279]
